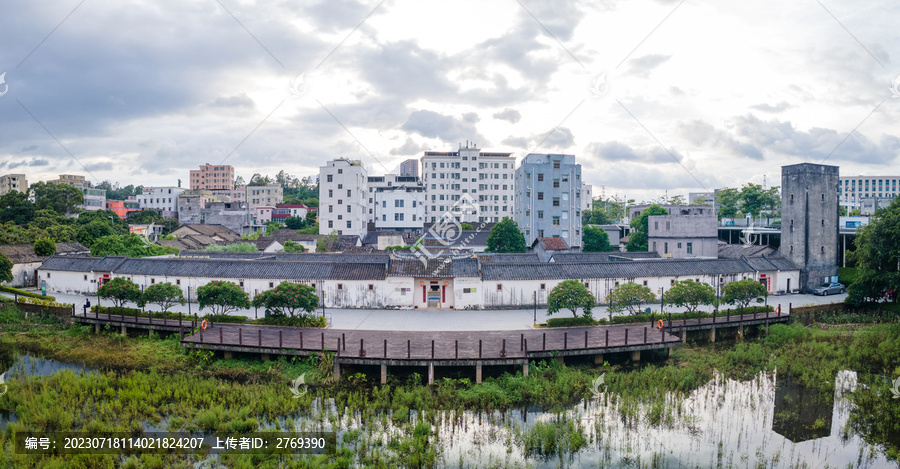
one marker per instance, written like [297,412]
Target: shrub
[27,293]
[302,320]
[780,334]
[570,322]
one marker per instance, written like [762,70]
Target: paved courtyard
[448,319]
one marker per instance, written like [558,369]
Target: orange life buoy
[778,310]
[204,325]
[659,323]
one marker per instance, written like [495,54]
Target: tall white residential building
[387,181]
[13,183]
[162,199]
[399,208]
[548,198]
[587,197]
[852,189]
[485,177]
[343,198]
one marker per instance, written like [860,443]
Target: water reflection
[801,413]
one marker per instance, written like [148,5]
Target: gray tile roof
[235,269]
[634,269]
[488,258]
[764,263]
[70,264]
[109,263]
[735,251]
[592,257]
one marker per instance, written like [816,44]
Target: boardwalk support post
[337,370]
[525,369]
[598,359]
[430,373]
[478,373]
[712,334]
[636,356]
[383,372]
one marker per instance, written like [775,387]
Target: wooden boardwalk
[440,348]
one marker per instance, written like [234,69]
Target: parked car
[829,288]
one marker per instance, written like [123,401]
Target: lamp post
[535,306]
[189,300]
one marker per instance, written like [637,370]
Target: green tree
[571,295]
[6,266]
[288,299]
[15,207]
[222,297]
[120,290]
[291,246]
[165,295]
[235,247]
[48,218]
[466,226]
[596,239]
[294,223]
[742,292]
[506,237]
[637,240]
[754,199]
[44,247]
[271,226]
[628,297]
[842,211]
[130,245]
[877,256]
[89,233]
[61,198]
[728,199]
[595,217]
[61,233]
[690,295]
[327,242]
[310,217]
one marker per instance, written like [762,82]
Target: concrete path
[448,320]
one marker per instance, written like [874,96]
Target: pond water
[768,422]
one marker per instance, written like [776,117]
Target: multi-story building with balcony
[212,177]
[548,191]
[13,183]
[469,184]
[343,198]
[853,189]
[161,199]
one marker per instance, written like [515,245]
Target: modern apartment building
[212,177]
[13,183]
[389,181]
[343,198]
[852,189]
[548,192]
[399,208]
[94,199]
[409,168]
[72,179]
[162,199]
[271,195]
[454,179]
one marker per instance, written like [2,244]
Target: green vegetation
[291,246]
[877,257]
[27,293]
[165,295]
[327,243]
[236,247]
[505,236]
[628,297]
[221,297]
[847,275]
[751,198]
[596,239]
[571,295]
[571,322]
[637,240]
[742,292]
[288,299]
[6,266]
[44,247]
[130,245]
[690,295]
[120,290]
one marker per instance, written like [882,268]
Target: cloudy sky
[652,97]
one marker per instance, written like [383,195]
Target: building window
[666,248]
[543,286]
[679,245]
[340,286]
[645,283]
[48,274]
[499,287]
[690,248]
[556,165]
[586,285]
[349,224]
[330,178]
[85,277]
[540,177]
[556,201]
[241,283]
[540,196]
[556,183]
[152,281]
[371,287]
